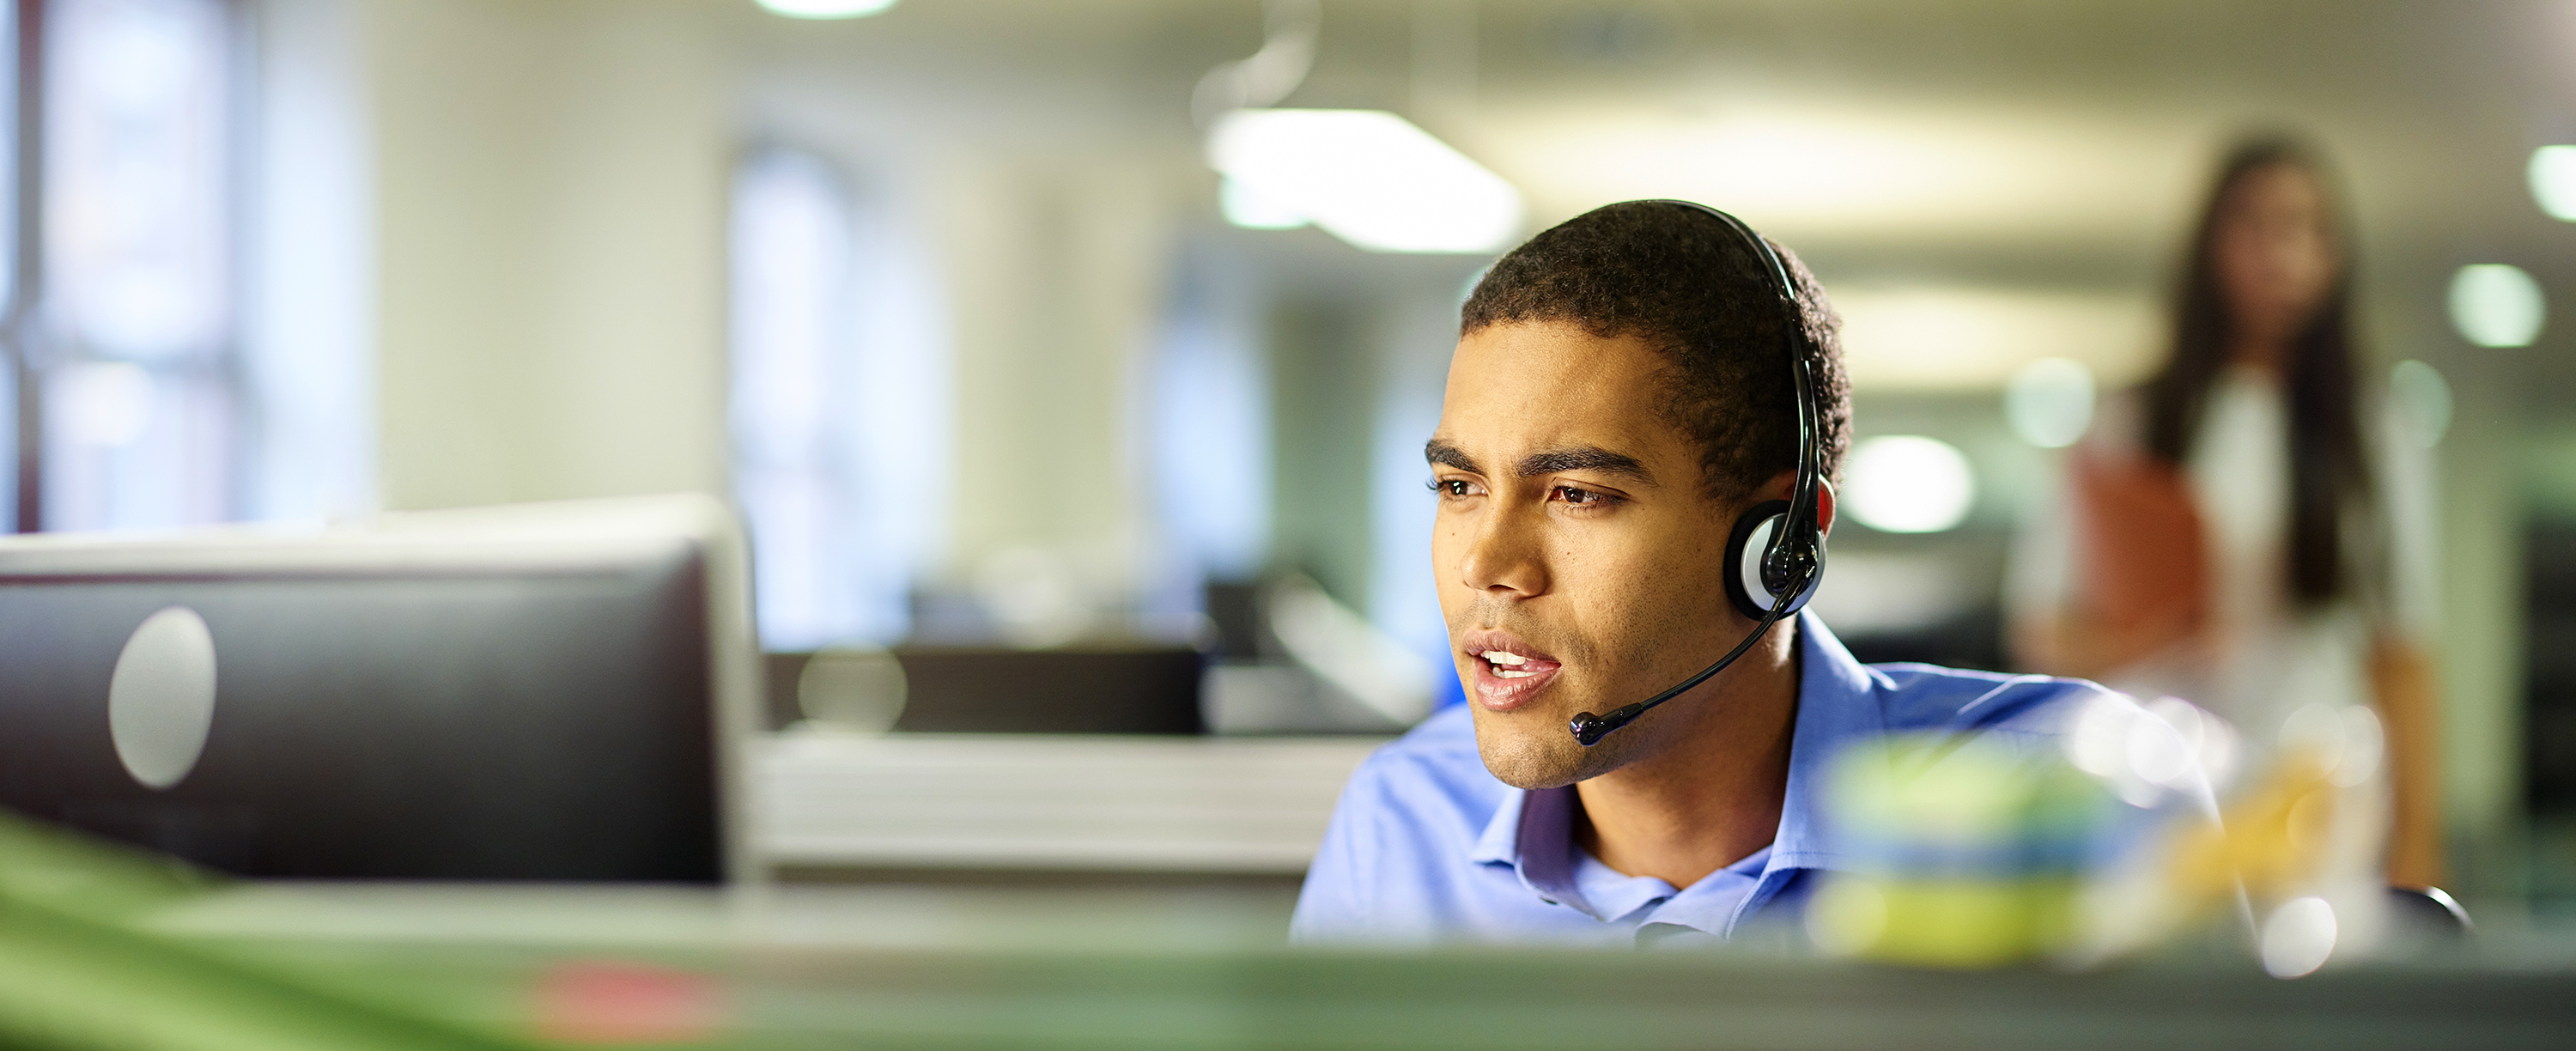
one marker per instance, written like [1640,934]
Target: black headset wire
[1793,557]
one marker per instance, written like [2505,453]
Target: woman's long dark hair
[2327,470]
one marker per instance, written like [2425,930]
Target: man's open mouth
[1508,671]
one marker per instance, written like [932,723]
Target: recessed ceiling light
[825,8]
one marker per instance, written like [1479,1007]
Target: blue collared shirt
[1426,846]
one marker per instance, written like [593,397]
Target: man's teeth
[1504,661]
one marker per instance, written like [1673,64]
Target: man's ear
[1782,484]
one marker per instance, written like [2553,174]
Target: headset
[1791,560]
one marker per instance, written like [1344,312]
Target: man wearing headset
[1623,407]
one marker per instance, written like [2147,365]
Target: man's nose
[1505,553]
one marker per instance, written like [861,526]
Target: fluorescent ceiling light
[825,8]
[2553,181]
[1368,176]
[1967,338]
[1246,207]
[1805,170]
[2497,305]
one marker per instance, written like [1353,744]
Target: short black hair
[1690,287]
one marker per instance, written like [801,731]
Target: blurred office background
[951,300]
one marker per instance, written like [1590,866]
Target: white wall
[550,191]
[1054,269]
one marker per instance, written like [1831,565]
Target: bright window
[838,407]
[140,401]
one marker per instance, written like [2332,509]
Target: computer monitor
[537,692]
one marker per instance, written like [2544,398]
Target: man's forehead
[1528,387]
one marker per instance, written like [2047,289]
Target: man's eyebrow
[1585,458]
[1443,454]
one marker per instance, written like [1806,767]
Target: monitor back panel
[444,724]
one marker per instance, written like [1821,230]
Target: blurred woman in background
[2221,538]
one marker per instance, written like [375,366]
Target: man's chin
[1523,754]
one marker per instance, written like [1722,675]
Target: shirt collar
[1533,830]
[1719,899]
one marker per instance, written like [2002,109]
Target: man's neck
[1712,794]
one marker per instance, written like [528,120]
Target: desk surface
[1246,806]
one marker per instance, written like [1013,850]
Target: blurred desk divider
[1143,689]
[825,802]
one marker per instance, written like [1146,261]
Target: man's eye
[1581,497]
[1453,487]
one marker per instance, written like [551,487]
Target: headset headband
[1794,558]
[1802,493]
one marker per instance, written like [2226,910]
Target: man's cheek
[1444,565]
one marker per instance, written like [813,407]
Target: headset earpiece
[1756,551]
[1794,560]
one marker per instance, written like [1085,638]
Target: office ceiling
[1997,143]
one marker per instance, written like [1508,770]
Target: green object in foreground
[75,975]
[1960,851]
[102,949]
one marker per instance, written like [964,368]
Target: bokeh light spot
[2553,181]
[1908,484]
[2050,402]
[2298,938]
[2497,305]
[2423,402]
